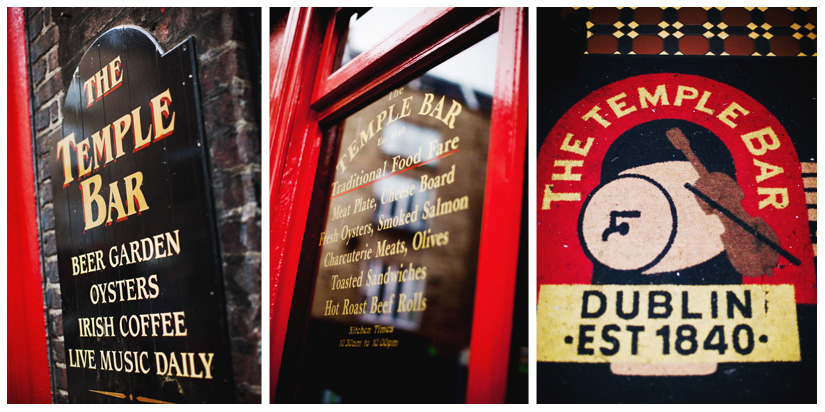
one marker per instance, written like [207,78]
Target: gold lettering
[685,93]
[766,170]
[759,136]
[568,166]
[702,102]
[730,113]
[549,197]
[90,193]
[160,110]
[64,147]
[576,147]
[134,195]
[619,107]
[776,197]
[594,114]
[659,95]
[102,147]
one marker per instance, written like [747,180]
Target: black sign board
[140,278]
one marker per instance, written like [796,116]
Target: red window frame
[306,94]
[28,352]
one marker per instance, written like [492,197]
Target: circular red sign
[570,162]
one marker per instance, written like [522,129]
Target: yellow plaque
[666,324]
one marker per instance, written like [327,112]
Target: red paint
[368,78]
[386,51]
[295,144]
[498,249]
[790,223]
[27,351]
[310,38]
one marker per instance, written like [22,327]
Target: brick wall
[229,61]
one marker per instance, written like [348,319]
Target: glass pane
[367,28]
[393,300]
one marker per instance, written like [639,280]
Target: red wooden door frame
[27,350]
[498,249]
[304,93]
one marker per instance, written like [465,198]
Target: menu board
[140,278]
[391,312]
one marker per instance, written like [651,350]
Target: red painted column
[27,350]
[294,148]
[498,248]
